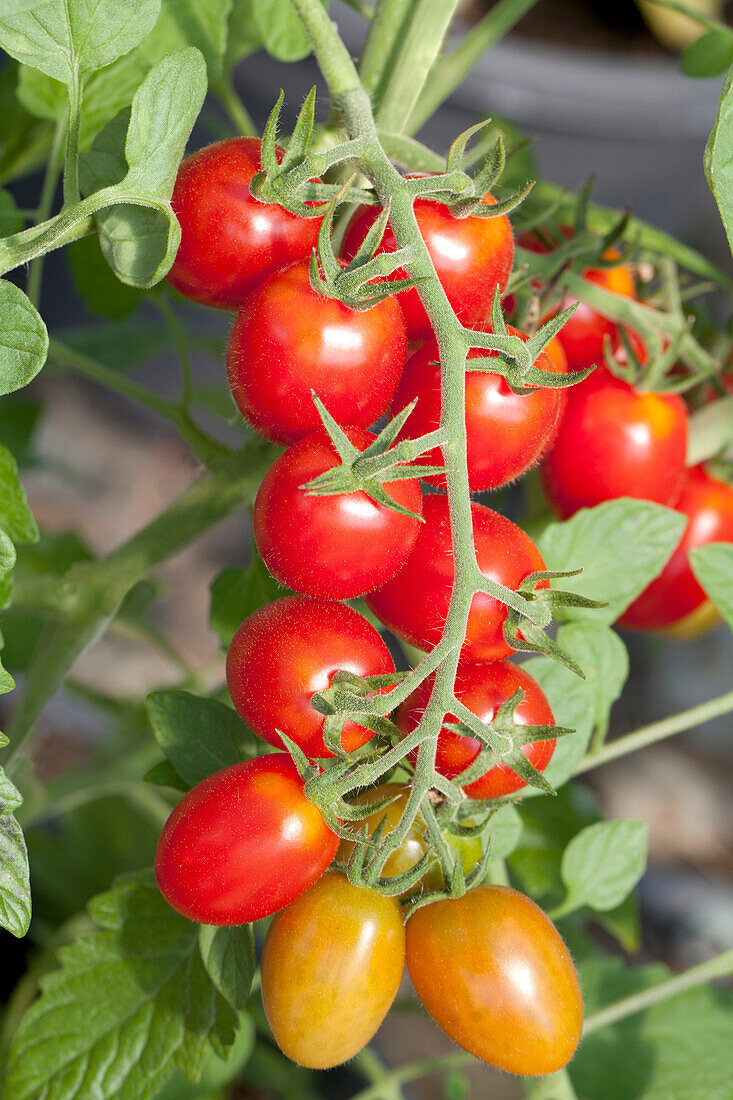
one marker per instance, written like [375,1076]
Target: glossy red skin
[483,688]
[495,975]
[337,546]
[614,442]
[288,650]
[230,242]
[288,341]
[242,843]
[414,604]
[676,593]
[472,256]
[507,433]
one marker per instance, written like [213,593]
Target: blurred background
[598,90]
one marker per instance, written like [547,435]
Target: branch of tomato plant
[413,1072]
[556,1087]
[657,731]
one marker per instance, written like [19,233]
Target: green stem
[449,71]
[719,967]
[226,93]
[412,1072]
[381,43]
[374,1070]
[45,204]
[658,731]
[557,1087]
[71,168]
[180,339]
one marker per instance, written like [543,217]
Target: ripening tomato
[331,965]
[337,546]
[472,256]
[414,604]
[230,242]
[242,843]
[508,433]
[675,598]
[615,441]
[495,975]
[483,688]
[290,649]
[288,341]
[582,337]
[415,844]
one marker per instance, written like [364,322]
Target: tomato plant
[209,863]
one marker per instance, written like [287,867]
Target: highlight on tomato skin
[483,688]
[288,341]
[414,604]
[675,602]
[331,966]
[209,863]
[338,546]
[495,975]
[507,433]
[288,650]
[472,256]
[615,441]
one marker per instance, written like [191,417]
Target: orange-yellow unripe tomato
[331,965]
[496,976]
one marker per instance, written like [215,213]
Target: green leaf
[709,55]
[10,219]
[25,141]
[7,564]
[15,895]
[603,863]
[71,38]
[620,545]
[679,1049]
[131,1003]
[280,29]
[236,592]
[165,775]
[216,1072]
[16,517]
[710,430]
[229,958]
[713,567]
[23,339]
[582,705]
[718,162]
[504,829]
[198,736]
[623,923]
[11,7]
[18,419]
[97,284]
[244,37]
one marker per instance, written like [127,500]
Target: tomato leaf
[504,830]
[236,592]
[281,31]
[713,567]
[583,705]
[198,736]
[244,37]
[23,339]
[15,895]
[97,284]
[16,517]
[620,545]
[10,219]
[7,563]
[18,419]
[130,1003]
[229,958]
[717,161]
[709,55]
[603,863]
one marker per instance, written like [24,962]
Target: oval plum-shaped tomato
[242,843]
[414,604]
[495,975]
[507,433]
[616,442]
[290,649]
[288,342]
[230,242]
[472,256]
[331,965]
[675,596]
[415,844]
[483,688]
[337,546]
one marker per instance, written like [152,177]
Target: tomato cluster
[247,842]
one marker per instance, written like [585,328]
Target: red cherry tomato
[337,546]
[230,242]
[582,337]
[508,433]
[483,688]
[331,966]
[242,843]
[290,649]
[616,442]
[288,341]
[676,594]
[495,975]
[414,604]
[472,256]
